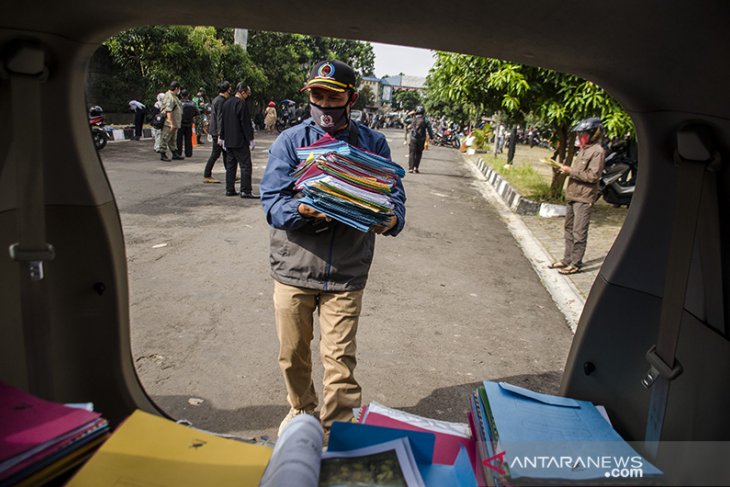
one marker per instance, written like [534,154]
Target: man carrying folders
[318,264]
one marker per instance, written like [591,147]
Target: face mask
[583,140]
[330,118]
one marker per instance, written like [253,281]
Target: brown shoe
[211,180]
[571,269]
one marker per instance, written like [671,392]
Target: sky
[392,60]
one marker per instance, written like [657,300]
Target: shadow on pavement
[452,403]
[207,417]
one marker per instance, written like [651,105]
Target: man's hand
[384,228]
[309,212]
[252,145]
[222,144]
[564,169]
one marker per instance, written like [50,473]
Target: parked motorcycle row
[446,137]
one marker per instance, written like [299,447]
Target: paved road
[450,302]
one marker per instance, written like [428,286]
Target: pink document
[29,424]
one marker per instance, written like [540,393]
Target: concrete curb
[505,200]
[513,199]
[116,135]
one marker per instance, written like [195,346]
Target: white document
[435,425]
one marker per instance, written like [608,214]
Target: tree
[149,58]
[366,99]
[286,59]
[516,91]
[145,60]
[406,99]
[359,55]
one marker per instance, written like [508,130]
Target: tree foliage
[516,93]
[366,99]
[406,99]
[146,59]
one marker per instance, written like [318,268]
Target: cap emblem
[327,70]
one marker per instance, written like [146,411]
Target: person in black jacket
[236,137]
[216,112]
[185,134]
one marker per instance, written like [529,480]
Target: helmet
[420,110]
[96,111]
[592,126]
[272,104]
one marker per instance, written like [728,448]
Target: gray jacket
[337,258]
[316,254]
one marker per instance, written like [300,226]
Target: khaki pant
[339,313]
[577,220]
[168,140]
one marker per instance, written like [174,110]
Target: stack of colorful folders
[347,184]
[42,440]
[528,438]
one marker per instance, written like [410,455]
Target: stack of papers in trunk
[347,184]
[41,440]
[525,438]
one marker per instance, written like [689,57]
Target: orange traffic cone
[195,137]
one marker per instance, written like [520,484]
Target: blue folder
[351,436]
[363,157]
[547,437]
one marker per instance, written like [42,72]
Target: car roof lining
[635,50]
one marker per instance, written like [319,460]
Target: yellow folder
[147,450]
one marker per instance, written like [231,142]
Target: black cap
[331,75]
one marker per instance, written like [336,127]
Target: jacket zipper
[329,261]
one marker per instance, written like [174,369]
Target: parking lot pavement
[542,240]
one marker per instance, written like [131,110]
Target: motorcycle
[446,137]
[618,179]
[96,122]
[285,121]
[289,116]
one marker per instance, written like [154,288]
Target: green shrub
[481,138]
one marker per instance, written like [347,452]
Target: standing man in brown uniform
[582,192]
[172,108]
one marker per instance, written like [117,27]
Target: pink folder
[28,422]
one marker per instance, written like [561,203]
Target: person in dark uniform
[236,137]
[216,112]
[185,134]
[420,129]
